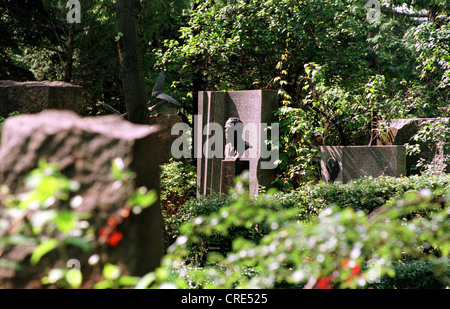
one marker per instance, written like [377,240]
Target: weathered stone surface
[33,97]
[354,162]
[252,107]
[165,122]
[84,148]
[401,131]
[230,169]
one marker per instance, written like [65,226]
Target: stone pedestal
[229,170]
[344,163]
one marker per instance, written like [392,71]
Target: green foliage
[336,74]
[45,217]
[304,204]
[178,181]
[416,275]
[429,42]
[436,134]
[114,278]
[192,209]
[325,235]
[340,248]
[365,194]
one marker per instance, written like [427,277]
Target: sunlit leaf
[111,272]
[42,249]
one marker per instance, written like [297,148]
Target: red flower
[355,269]
[115,238]
[325,282]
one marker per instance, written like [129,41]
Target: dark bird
[158,92]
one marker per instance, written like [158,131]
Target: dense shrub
[416,275]
[193,208]
[365,194]
[178,181]
[302,204]
[340,247]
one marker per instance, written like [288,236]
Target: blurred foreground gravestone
[33,97]
[251,108]
[84,148]
[344,163]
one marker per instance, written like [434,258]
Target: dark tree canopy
[336,72]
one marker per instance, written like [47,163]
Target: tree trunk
[69,57]
[132,73]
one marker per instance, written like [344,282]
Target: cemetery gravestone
[84,148]
[33,97]
[215,173]
[344,163]
[401,132]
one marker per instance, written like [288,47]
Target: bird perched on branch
[158,92]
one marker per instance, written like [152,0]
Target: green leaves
[114,278]
[42,249]
[274,244]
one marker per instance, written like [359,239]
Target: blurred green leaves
[341,247]
[45,219]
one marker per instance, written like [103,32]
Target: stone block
[84,148]
[344,163]
[33,97]
[401,131]
[165,122]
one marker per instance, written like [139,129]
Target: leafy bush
[435,135]
[303,204]
[195,208]
[340,248]
[416,275]
[178,181]
[365,194]
[43,218]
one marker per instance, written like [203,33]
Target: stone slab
[33,97]
[401,131]
[344,163]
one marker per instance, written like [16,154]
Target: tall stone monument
[230,136]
